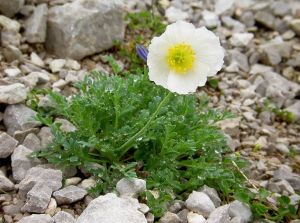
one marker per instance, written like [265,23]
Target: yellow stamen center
[181,58]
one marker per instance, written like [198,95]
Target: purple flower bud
[142,52]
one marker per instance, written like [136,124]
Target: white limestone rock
[84,27]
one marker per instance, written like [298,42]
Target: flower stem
[127,145]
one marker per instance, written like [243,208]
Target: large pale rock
[69,194]
[19,117]
[109,208]
[7,145]
[36,25]
[38,199]
[131,187]
[50,177]
[84,27]
[10,7]
[200,203]
[21,163]
[37,218]
[13,93]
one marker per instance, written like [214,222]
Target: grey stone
[219,215]
[281,147]
[19,117]
[266,19]
[176,206]
[38,199]
[236,220]
[276,88]
[281,8]
[295,110]
[233,24]
[211,20]
[5,184]
[32,142]
[30,80]
[271,56]
[295,25]
[21,134]
[170,218]
[84,27]
[11,7]
[12,53]
[46,137]
[69,194]
[224,7]
[9,24]
[12,72]
[21,163]
[150,218]
[275,50]
[131,187]
[259,68]
[213,195]
[195,218]
[265,117]
[13,93]
[37,218]
[10,37]
[281,186]
[13,209]
[36,25]
[110,208]
[35,59]
[7,145]
[183,215]
[240,59]
[200,203]
[63,217]
[285,173]
[231,126]
[238,209]
[248,19]
[50,177]
[241,39]
[66,126]
[174,14]
[57,65]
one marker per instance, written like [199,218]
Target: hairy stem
[127,145]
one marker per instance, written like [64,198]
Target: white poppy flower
[183,57]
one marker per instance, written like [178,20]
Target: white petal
[156,61]
[179,32]
[187,83]
[213,56]
[158,72]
